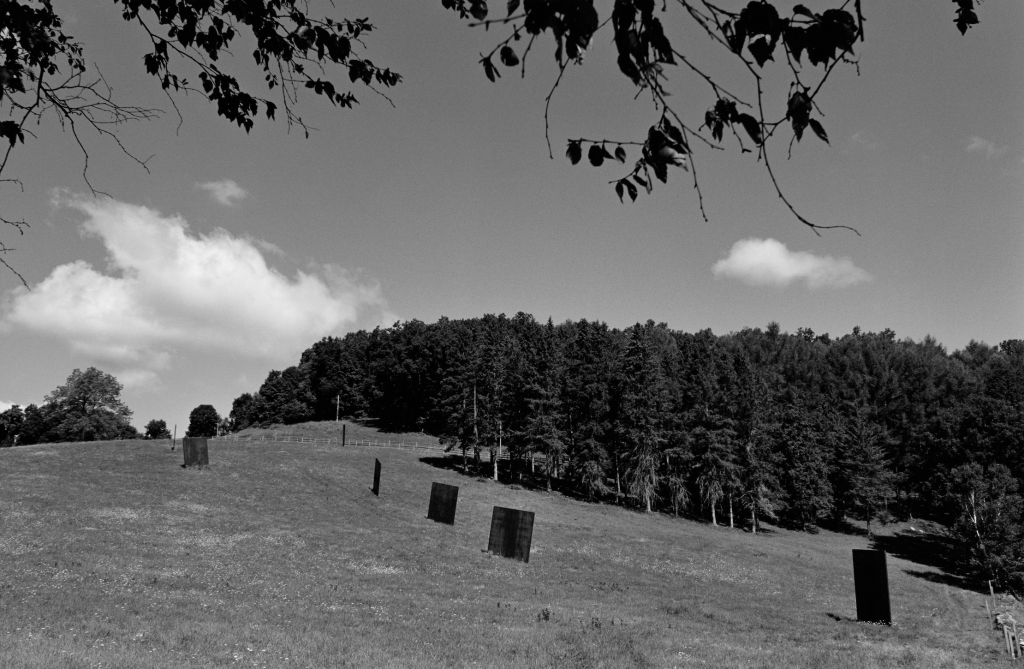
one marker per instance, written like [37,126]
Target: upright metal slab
[196,451]
[871,582]
[511,533]
[443,499]
[376,477]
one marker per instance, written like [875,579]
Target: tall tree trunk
[714,518]
[476,435]
[498,454]
[731,526]
[753,518]
[647,498]
[618,482]
[533,464]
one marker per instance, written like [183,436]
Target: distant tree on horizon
[203,421]
[157,429]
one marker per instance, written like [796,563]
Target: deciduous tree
[203,422]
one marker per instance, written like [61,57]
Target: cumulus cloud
[227,192]
[4,406]
[982,145]
[760,262]
[167,288]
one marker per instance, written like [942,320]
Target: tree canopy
[157,429]
[196,47]
[87,407]
[203,421]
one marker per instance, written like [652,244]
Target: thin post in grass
[376,477]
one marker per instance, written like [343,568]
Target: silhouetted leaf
[819,130]
[478,8]
[11,131]
[619,188]
[800,9]
[673,132]
[620,154]
[489,69]
[596,155]
[513,5]
[660,170]
[752,127]
[631,189]
[508,56]
[574,153]
[761,49]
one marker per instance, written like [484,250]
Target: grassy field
[278,555]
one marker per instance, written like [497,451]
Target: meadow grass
[278,555]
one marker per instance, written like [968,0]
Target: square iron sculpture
[511,533]
[376,477]
[196,451]
[443,499]
[871,582]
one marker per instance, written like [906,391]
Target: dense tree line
[759,424]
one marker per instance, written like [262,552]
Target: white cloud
[4,406]
[982,145]
[167,288]
[227,192]
[761,262]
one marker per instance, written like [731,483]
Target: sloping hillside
[279,555]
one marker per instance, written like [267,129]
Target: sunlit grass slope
[278,555]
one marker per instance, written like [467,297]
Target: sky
[234,252]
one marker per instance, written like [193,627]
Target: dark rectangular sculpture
[871,582]
[376,477]
[443,498]
[196,451]
[511,533]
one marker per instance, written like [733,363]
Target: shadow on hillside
[843,526]
[929,549]
[453,463]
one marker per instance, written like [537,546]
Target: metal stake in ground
[871,583]
[443,499]
[376,477]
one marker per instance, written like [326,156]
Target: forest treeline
[759,424]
